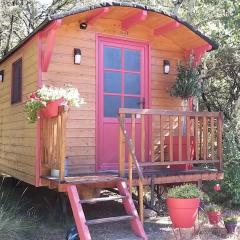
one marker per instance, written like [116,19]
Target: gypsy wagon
[123,59]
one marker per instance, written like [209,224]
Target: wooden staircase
[82,223]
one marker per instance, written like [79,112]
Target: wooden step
[109,219]
[103,199]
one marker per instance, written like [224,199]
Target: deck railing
[53,143]
[164,138]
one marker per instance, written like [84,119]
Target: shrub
[185,191]
[213,208]
[231,219]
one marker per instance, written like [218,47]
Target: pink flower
[217,187]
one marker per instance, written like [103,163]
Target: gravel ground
[157,228]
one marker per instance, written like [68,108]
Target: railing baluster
[219,139]
[161,139]
[212,138]
[196,139]
[130,160]
[205,138]
[170,138]
[201,137]
[121,148]
[188,136]
[180,138]
[142,138]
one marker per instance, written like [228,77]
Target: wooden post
[63,145]
[121,148]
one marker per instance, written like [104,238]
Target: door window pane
[132,83]
[112,82]
[112,58]
[132,102]
[111,105]
[132,60]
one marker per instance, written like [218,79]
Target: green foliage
[230,186]
[31,108]
[231,219]
[13,220]
[187,83]
[213,208]
[185,191]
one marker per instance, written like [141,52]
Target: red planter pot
[51,109]
[183,212]
[184,151]
[214,217]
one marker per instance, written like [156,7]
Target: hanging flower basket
[51,109]
[45,101]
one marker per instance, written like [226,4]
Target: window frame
[17,99]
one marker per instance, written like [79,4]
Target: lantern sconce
[1,76]
[166,66]
[77,56]
[83,25]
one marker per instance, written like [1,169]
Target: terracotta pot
[184,151]
[183,212]
[51,109]
[230,226]
[214,217]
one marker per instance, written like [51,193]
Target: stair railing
[132,158]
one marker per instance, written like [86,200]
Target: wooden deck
[158,175]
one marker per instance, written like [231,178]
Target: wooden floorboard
[159,175]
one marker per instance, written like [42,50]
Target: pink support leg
[129,206]
[78,213]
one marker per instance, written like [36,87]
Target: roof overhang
[174,24]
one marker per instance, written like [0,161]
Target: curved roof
[78,10]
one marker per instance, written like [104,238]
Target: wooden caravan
[129,128]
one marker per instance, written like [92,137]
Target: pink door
[122,82]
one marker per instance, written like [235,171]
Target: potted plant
[187,83]
[230,223]
[183,203]
[46,100]
[186,87]
[214,213]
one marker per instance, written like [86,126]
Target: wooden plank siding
[17,136]
[81,124]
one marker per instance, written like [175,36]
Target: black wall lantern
[166,66]
[83,26]
[77,56]
[1,76]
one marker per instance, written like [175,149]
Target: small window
[16,95]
